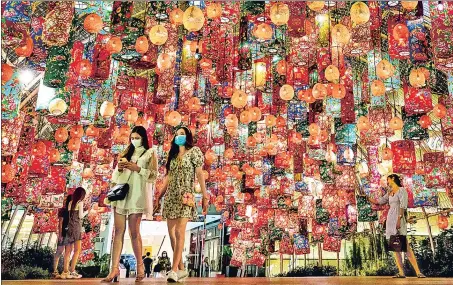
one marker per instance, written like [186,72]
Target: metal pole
[431,241]
[319,254]
[13,215]
[19,226]
[29,238]
[305,260]
[281,263]
[338,264]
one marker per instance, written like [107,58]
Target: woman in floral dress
[184,162]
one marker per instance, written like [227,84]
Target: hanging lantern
[7,72]
[26,50]
[174,118]
[114,45]
[91,131]
[332,73]
[316,5]
[54,155]
[409,5]
[61,135]
[387,154]
[401,34]
[377,88]
[39,149]
[87,173]
[263,32]
[363,124]
[279,14]
[205,63]
[314,129]
[76,131]
[319,91]
[239,99]
[245,117]
[270,121]
[281,122]
[385,69]
[176,16]
[124,131]
[440,111]
[337,90]
[141,45]
[107,109]
[255,114]
[231,121]
[142,122]
[57,107]
[417,78]
[260,74]
[164,61]
[396,124]
[425,121]
[442,222]
[158,35]
[193,19]
[8,173]
[282,67]
[323,136]
[84,68]
[340,34]
[360,13]
[251,142]
[74,144]
[210,156]
[286,92]
[131,115]
[214,10]
[93,23]
[229,153]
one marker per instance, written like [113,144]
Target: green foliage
[310,270]
[34,256]
[96,268]
[24,272]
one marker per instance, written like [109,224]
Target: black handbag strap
[136,162]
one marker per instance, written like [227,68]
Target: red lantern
[442,222]
[114,45]
[282,67]
[54,155]
[76,131]
[39,149]
[7,72]
[25,50]
[84,68]
[8,173]
[131,115]
[142,45]
[74,144]
[93,23]
[425,121]
[440,111]
[92,131]
[61,135]
[401,34]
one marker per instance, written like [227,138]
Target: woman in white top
[137,166]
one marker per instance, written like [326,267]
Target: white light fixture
[57,106]
[26,76]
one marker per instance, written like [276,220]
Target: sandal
[140,276]
[420,275]
[115,276]
[399,276]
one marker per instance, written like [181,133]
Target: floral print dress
[181,180]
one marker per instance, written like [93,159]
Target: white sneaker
[172,277]
[74,275]
[182,274]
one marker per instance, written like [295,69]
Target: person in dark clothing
[128,268]
[148,261]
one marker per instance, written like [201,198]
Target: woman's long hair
[77,196]
[129,151]
[174,149]
[396,179]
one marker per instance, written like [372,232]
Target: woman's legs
[56,257]
[180,234]
[120,228]
[67,256]
[412,259]
[172,226]
[399,263]
[136,240]
[75,256]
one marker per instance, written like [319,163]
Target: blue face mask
[180,140]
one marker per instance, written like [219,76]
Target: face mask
[136,142]
[180,140]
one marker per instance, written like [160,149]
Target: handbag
[119,191]
[397,243]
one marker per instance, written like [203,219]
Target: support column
[319,254]
[281,263]
[50,239]
[5,235]
[30,236]
[338,264]
[431,241]
[19,226]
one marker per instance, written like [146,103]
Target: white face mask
[136,142]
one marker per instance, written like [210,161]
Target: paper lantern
[8,173]
[210,156]
[107,109]
[61,135]
[57,106]
[87,173]
[93,23]
[7,72]
[360,13]
[158,35]
[263,32]
[340,34]
[260,74]
[245,117]
[440,111]
[76,131]
[214,10]
[39,149]
[84,68]
[417,78]
[337,90]
[270,121]
[131,115]
[396,124]
[401,34]
[229,153]
[279,14]
[164,61]
[193,19]
[319,91]
[205,63]
[363,124]
[332,73]
[425,121]
[174,118]
[251,142]
[314,129]
[377,88]
[231,121]
[176,16]
[141,45]
[387,154]
[124,131]
[54,155]
[282,67]
[25,50]
[91,131]
[385,69]
[255,114]
[114,45]
[442,222]
[316,5]
[409,5]
[239,99]
[286,92]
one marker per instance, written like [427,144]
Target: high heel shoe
[140,276]
[115,278]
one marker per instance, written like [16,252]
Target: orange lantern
[239,99]
[92,131]
[87,173]
[176,16]
[319,91]
[141,45]
[314,129]
[164,61]
[142,122]
[316,5]
[114,45]
[124,131]
[332,73]
[295,138]
[205,63]
[409,5]
[323,136]
[8,173]
[401,33]
[396,123]
[387,154]
[107,109]
[255,114]
[25,50]
[425,121]
[313,140]
[61,135]
[279,14]
[214,10]
[385,69]
[174,118]
[231,121]
[286,92]
[7,72]
[377,88]
[270,121]
[263,32]
[245,117]
[251,142]
[282,67]
[417,78]
[158,35]
[360,13]
[74,144]
[440,111]
[131,115]
[210,156]
[193,19]
[76,131]
[337,90]
[84,68]
[229,153]
[442,222]
[363,124]
[54,155]
[340,35]
[281,122]
[93,23]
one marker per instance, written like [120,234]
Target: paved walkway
[257,281]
